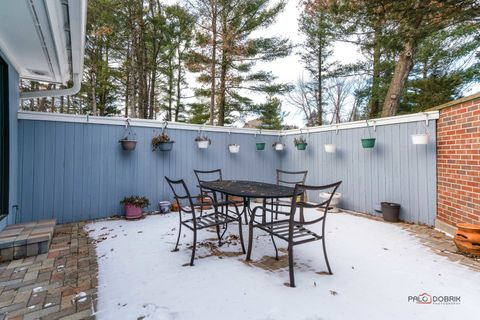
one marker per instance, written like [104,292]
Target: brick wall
[458,161]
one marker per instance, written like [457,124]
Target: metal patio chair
[195,223]
[222,200]
[291,229]
[289,179]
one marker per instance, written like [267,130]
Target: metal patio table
[248,190]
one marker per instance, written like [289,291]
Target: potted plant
[234,148]
[203,142]
[278,146]
[300,143]
[133,206]
[162,142]
[330,147]
[368,143]
[129,141]
[260,145]
[128,144]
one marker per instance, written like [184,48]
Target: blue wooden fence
[75,171]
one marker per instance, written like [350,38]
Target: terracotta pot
[132,212]
[174,206]
[206,202]
[467,238]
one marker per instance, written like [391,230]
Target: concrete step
[25,240]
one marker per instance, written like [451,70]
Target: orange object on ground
[174,206]
[467,238]
[206,202]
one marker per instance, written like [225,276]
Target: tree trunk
[400,75]
[374,103]
[320,79]
[179,84]
[223,72]
[214,60]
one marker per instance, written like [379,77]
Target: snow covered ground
[376,267]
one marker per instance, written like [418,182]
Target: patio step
[25,240]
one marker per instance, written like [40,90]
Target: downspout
[54,93]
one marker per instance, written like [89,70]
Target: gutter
[54,93]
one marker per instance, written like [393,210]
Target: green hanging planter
[368,143]
[260,145]
[302,146]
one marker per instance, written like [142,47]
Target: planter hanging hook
[336,129]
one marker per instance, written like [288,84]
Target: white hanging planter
[278,146]
[233,148]
[203,144]
[330,147]
[420,138]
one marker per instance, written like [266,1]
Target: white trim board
[119,121]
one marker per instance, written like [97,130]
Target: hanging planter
[203,142]
[162,142]
[278,146]
[421,138]
[259,145]
[233,148]
[330,148]
[129,140]
[300,143]
[368,143]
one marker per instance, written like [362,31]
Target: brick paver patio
[47,286]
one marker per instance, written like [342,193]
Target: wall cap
[120,121]
[455,102]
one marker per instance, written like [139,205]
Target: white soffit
[35,37]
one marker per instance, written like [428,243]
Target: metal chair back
[299,202]
[291,178]
[181,194]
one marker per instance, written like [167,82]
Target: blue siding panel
[77,171]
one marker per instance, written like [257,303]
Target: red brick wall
[458,163]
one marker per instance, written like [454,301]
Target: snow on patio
[376,267]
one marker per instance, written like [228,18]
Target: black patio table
[248,190]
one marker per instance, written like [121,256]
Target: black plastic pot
[391,211]
[128,145]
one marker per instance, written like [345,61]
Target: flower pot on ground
[278,146]
[162,142]
[390,211]
[420,138]
[134,206]
[300,143]
[164,206]
[128,145]
[330,148]
[205,201]
[203,142]
[260,145]
[233,148]
[324,196]
[368,143]
[467,238]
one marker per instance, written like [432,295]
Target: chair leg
[246,204]
[275,246]
[217,227]
[241,234]
[290,266]
[178,238]
[325,254]
[250,238]
[194,246]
